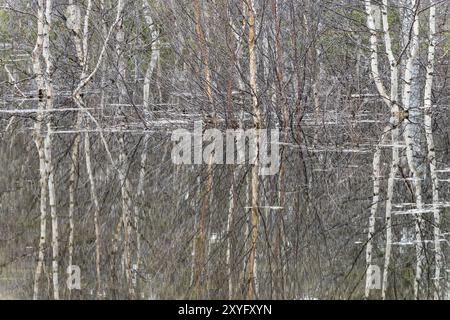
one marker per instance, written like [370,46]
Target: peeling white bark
[48,148]
[392,102]
[431,155]
[410,143]
[44,144]
[37,69]
[395,139]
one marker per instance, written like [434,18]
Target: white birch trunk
[392,102]
[122,167]
[372,218]
[37,69]
[43,218]
[374,64]
[431,155]
[410,144]
[254,215]
[45,89]
[395,141]
[48,148]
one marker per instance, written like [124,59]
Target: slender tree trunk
[254,213]
[281,100]
[74,156]
[81,44]
[230,233]
[200,249]
[87,149]
[43,216]
[410,143]
[146,102]
[388,215]
[395,121]
[392,102]
[37,69]
[431,155]
[47,94]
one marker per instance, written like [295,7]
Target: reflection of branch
[13,81]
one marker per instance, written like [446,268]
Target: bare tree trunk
[231,123]
[72,186]
[230,232]
[389,198]
[392,102]
[431,150]
[45,93]
[254,215]
[123,160]
[395,141]
[374,64]
[200,249]
[373,212]
[37,69]
[146,102]
[48,148]
[81,44]
[410,142]
[281,100]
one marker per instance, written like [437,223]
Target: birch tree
[431,149]
[254,213]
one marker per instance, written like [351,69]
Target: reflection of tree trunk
[229,233]
[74,156]
[195,242]
[200,243]
[43,217]
[137,216]
[87,149]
